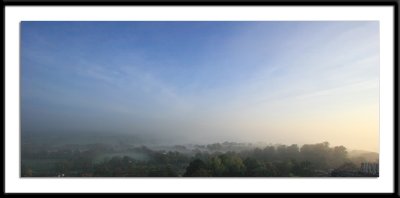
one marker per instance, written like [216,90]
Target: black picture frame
[393,3]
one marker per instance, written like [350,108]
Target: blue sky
[279,82]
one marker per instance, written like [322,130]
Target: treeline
[310,160]
[281,161]
[101,161]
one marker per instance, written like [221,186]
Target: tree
[269,153]
[197,168]
[293,152]
[214,147]
[233,165]
[303,169]
[317,154]
[216,166]
[252,166]
[339,156]
[162,171]
[283,168]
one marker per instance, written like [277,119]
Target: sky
[203,82]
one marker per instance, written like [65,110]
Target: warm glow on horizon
[275,82]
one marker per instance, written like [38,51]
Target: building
[370,168]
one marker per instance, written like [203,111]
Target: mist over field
[132,92]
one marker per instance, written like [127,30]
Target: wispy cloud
[214,79]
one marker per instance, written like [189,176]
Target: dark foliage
[214,160]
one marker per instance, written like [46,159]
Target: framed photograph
[227,98]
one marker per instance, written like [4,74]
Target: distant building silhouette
[370,168]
